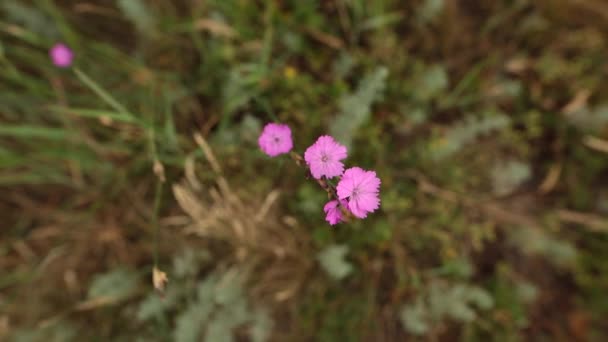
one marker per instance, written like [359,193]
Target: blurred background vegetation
[486,121]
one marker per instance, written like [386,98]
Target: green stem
[157,199]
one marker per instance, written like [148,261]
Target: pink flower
[361,188]
[324,157]
[275,139]
[61,55]
[334,214]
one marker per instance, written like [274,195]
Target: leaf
[261,326]
[103,94]
[589,120]
[431,83]
[31,18]
[116,284]
[333,261]
[309,199]
[241,86]
[189,324]
[465,133]
[455,301]
[507,176]
[355,108]
[414,318]
[343,65]
[429,10]
[151,307]
[443,301]
[457,267]
[138,12]
[185,264]
[379,21]
[230,288]
[479,297]
[206,289]
[61,331]
[536,242]
[219,330]
[526,291]
[250,128]
[101,115]
[27,131]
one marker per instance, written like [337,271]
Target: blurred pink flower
[61,55]
[361,188]
[334,214]
[324,157]
[275,139]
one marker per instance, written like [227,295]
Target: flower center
[355,193]
[276,140]
[324,158]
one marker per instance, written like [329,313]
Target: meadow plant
[360,188]
[324,158]
[61,55]
[333,214]
[356,193]
[275,139]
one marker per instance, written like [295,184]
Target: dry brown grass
[273,249]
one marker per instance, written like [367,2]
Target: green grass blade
[99,114]
[26,131]
[104,95]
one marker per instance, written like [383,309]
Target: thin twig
[157,199]
[593,222]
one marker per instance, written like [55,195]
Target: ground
[486,123]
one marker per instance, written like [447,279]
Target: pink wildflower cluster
[357,190]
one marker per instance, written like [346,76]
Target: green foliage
[430,83]
[507,176]
[242,86]
[187,263]
[189,323]
[536,242]
[335,314]
[333,261]
[459,268]
[464,133]
[309,199]
[116,284]
[138,12]
[355,108]
[30,17]
[207,309]
[592,273]
[57,332]
[262,325]
[590,120]
[429,10]
[514,296]
[441,301]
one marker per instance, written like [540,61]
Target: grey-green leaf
[333,261]
[138,12]
[355,108]
[116,284]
